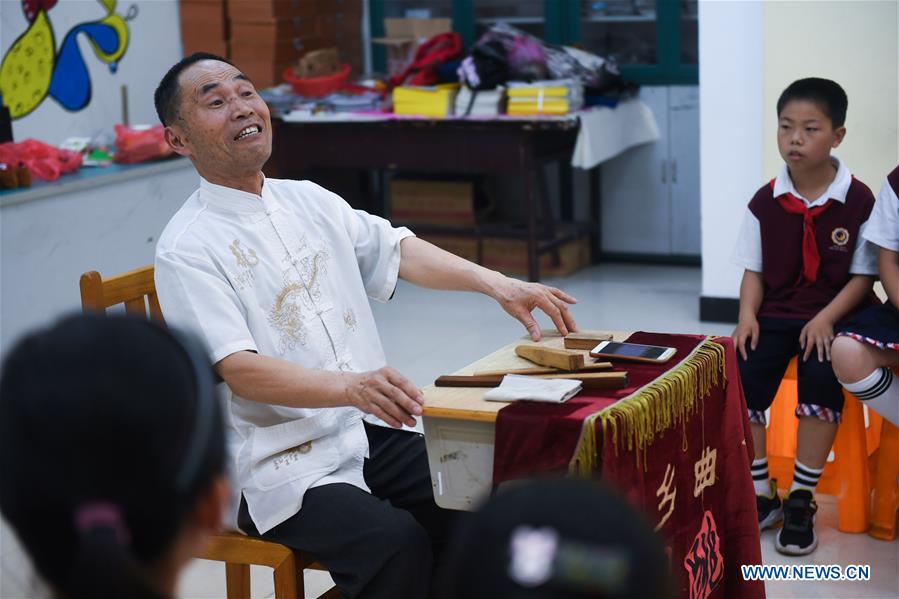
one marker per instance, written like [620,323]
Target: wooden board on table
[465,403]
[563,359]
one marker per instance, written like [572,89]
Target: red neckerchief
[811,259]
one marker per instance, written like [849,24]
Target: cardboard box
[274,50]
[263,73]
[252,11]
[432,202]
[203,17]
[204,27]
[276,29]
[412,30]
[403,37]
[464,247]
[212,46]
[510,257]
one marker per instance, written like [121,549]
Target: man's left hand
[519,299]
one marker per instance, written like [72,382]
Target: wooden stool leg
[886,490]
[237,581]
[289,581]
[851,453]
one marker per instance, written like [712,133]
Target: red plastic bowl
[316,87]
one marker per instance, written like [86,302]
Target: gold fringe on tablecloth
[665,402]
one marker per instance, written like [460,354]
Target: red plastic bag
[43,160]
[138,145]
[441,48]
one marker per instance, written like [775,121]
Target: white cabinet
[650,194]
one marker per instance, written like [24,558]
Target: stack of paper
[559,96]
[435,101]
[485,102]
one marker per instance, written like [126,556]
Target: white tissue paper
[516,386]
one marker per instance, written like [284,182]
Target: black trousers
[383,544]
[820,394]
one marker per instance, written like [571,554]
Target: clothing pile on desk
[559,96]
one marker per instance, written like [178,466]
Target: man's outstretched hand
[520,299]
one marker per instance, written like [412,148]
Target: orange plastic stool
[886,485]
[846,477]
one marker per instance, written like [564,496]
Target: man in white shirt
[275,275]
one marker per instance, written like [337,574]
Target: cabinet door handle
[674,171]
[664,171]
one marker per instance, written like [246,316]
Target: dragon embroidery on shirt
[295,297]
[286,316]
[246,260]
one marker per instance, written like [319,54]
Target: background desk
[508,147]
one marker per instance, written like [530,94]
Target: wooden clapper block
[562,359]
[585,340]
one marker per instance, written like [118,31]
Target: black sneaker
[769,508]
[797,537]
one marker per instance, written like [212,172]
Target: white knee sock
[760,479]
[805,477]
[880,392]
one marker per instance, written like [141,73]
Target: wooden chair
[137,291]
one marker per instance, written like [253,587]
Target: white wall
[867,71]
[46,243]
[730,131]
[749,52]
[154,46]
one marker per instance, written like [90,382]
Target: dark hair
[826,94]
[559,539]
[109,434]
[167,96]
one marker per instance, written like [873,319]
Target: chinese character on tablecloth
[668,492]
[703,561]
[704,471]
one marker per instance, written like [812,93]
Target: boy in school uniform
[806,268]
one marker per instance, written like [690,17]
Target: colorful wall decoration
[33,68]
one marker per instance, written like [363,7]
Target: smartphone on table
[634,352]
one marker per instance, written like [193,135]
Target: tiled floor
[428,333]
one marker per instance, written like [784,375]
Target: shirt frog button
[306,447]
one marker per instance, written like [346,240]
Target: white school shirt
[286,275]
[883,224]
[747,252]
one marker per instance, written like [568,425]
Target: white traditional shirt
[883,224]
[286,275]
[747,252]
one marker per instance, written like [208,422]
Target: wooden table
[517,148]
[459,428]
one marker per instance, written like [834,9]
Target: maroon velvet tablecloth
[675,442]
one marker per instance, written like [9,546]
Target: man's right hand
[747,330]
[384,393]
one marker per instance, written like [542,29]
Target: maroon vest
[893,180]
[836,231]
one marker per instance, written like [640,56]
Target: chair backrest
[136,289]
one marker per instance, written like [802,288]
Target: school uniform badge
[840,236]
